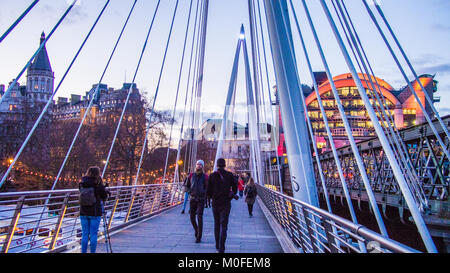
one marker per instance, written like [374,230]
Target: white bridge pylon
[226,127]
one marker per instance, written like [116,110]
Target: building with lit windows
[23,103]
[401,104]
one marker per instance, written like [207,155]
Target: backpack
[251,192]
[87,196]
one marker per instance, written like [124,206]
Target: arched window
[36,83]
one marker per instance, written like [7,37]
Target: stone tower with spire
[40,77]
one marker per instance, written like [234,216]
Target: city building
[400,103]
[236,146]
[24,103]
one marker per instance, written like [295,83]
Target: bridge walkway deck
[172,232]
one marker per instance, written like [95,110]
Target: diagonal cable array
[415,212]
[50,100]
[177,93]
[187,95]
[387,123]
[156,93]
[131,87]
[374,102]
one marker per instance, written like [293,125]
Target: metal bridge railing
[28,225]
[314,230]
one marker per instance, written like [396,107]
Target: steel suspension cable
[131,87]
[178,90]
[156,93]
[50,100]
[14,82]
[11,28]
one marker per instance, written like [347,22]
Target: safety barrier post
[13,225]
[59,222]
[310,230]
[328,231]
[131,206]
[113,211]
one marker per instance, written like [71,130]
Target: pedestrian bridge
[143,219]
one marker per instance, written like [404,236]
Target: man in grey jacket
[196,185]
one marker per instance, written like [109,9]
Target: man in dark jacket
[196,185]
[222,188]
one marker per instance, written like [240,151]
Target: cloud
[76,15]
[441,27]
[441,69]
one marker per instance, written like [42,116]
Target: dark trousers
[221,215]
[250,209]
[196,213]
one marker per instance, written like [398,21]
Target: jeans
[89,228]
[221,215]
[186,199]
[196,209]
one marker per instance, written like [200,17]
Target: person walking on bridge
[197,185]
[186,195]
[241,185]
[92,194]
[222,188]
[250,192]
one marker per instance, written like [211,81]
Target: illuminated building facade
[401,104]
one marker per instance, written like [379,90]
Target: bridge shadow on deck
[172,232]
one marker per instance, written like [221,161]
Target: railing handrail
[125,205]
[356,228]
[62,191]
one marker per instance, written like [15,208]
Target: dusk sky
[422,27]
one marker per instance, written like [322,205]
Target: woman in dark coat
[250,193]
[90,215]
